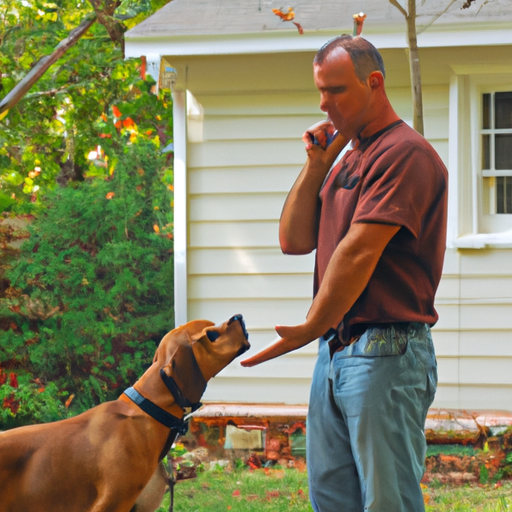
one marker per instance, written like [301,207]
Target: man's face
[343,97]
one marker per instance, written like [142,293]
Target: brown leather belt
[336,344]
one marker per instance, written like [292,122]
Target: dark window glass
[508,194]
[504,194]
[486,111]
[503,109]
[503,151]
[500,194]
[486,152]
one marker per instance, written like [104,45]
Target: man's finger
[278,348]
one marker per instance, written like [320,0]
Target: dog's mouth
[240,318]
[214,334]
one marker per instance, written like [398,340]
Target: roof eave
[384,37]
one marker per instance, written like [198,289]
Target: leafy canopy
[47,136]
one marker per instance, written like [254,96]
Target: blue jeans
[365,429]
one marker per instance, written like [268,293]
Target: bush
[92,289]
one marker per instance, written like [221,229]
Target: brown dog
[101,460]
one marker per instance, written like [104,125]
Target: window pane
[503,151]
[486,111]
[500,194]
[508,195]
[486,152]
[503,106]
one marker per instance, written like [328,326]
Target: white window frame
[470,223]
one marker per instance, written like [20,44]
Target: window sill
[501,240]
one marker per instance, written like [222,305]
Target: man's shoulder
[402,139]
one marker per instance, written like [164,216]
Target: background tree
[86,299]
[47,136]
[90,293]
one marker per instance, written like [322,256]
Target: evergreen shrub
[91,293]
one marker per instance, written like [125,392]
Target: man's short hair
[365,57]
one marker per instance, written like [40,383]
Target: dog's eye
[212,335]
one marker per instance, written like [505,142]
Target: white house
[244,94]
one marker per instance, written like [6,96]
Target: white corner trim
[179,110]
[153,66]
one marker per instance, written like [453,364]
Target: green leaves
[91,292]
[57,118]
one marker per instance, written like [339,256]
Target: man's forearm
[348,274]
[299,223]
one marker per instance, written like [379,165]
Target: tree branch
[422,29]
[105,15]
[399,7]
[44,63]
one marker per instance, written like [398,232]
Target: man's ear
[375,79]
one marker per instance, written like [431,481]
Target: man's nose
[324,101]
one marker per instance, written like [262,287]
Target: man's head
[349,74]
[365,57]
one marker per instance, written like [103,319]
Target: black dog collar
[157,413]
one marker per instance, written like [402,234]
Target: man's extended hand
[291,338]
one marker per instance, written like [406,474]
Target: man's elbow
[297,247]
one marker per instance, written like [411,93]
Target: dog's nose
[239,318]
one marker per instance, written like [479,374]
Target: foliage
[47,136]
[91,292]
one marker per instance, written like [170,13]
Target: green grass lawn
[469,498]
[243,490]
[278,490]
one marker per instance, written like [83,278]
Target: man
[377,221]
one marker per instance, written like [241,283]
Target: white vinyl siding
[474,335]
[238,178]
[238,174]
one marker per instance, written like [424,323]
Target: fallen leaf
[272,495]
[236,493]
[110,195]
[68,401]
[299,27]
[285,16]
[156,228]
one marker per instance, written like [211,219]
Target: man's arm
[346,276]
[298,224]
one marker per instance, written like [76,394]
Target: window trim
[467,227]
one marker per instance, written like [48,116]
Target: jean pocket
[379,341]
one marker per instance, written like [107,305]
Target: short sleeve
[400,186]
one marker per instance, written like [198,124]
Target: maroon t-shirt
[393,177]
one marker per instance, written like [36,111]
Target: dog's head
[195,352]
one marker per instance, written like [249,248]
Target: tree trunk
[44,63]
[414,64]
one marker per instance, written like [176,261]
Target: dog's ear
[195,328]
[188,333]
[180,363]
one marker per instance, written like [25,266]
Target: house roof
[200,25]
